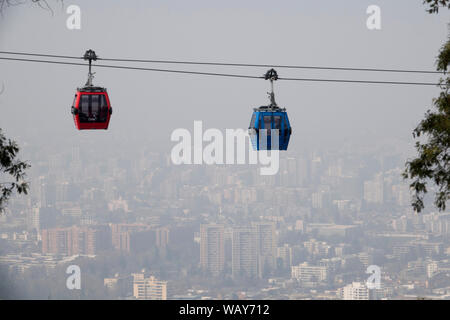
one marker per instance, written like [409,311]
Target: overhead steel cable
[224,74]
[137,68]
[40,55]
[280,66]
[361,81]
[271,66]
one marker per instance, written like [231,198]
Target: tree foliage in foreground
[433,132]
[434,5]
[11,167]
[41,3]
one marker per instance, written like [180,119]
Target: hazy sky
[37,97]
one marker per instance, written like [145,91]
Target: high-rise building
[299,225]
[285,254]
[432,268]
[33,219]
[244,253]
[40,191]
[70,241]
[61,191]
[317,248]
[288,172]
[121,235]
[266,246]
[307,273]
[75,153]
[148,288]
[302,171]
[212,248]
[57,240]
[355,291]
[402,194]
[162,237]
[317,200]
[374,190]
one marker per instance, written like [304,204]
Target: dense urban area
[140,227]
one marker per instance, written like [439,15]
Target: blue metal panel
[284,133]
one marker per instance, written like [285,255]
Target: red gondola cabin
[91,108]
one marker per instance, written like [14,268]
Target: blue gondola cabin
[270,119]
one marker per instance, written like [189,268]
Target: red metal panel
[91,125]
